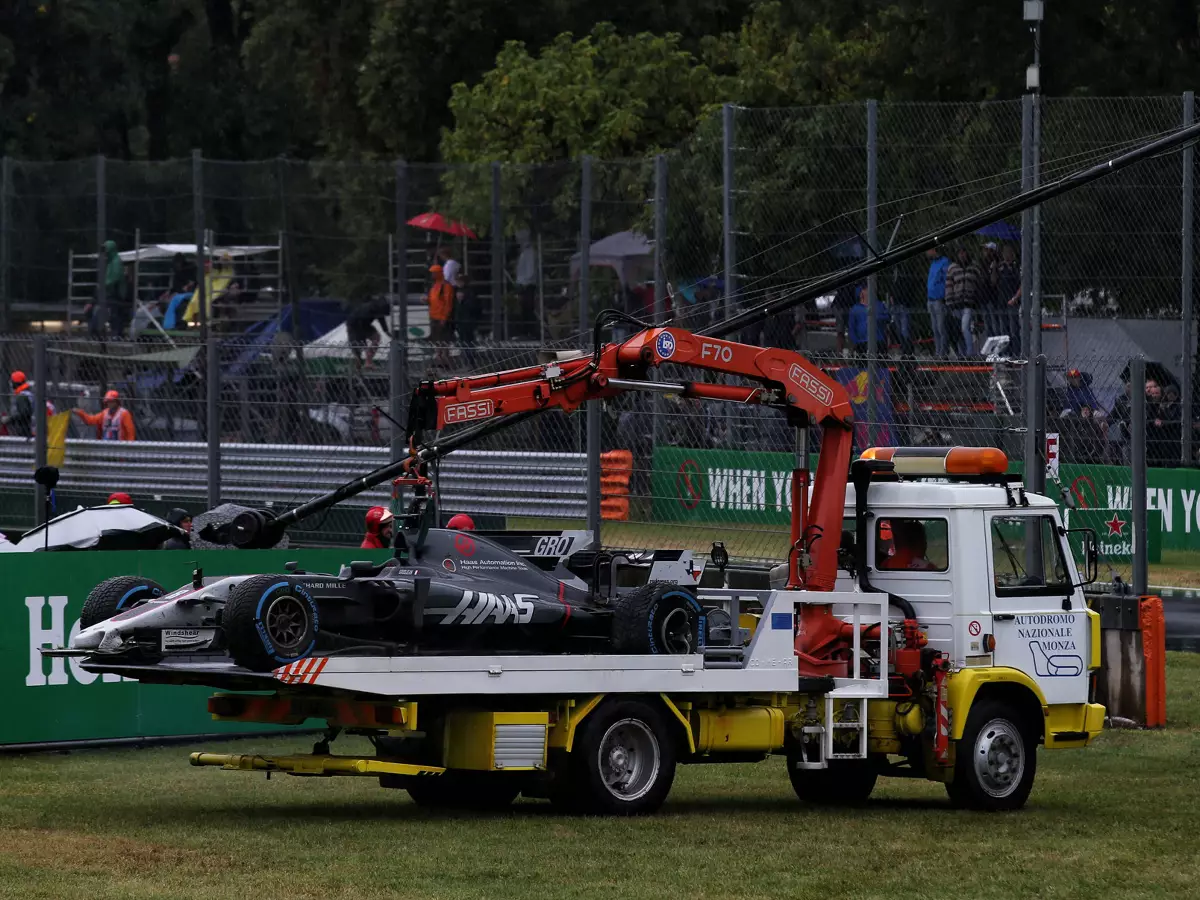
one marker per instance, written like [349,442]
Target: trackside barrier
[1154,649]
[551,485]
[55,700]
[616,468]
[1132,681]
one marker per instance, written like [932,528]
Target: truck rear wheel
[622,763]
[844,782]
[116,595]
[995,761]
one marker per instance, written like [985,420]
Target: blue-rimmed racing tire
[117,595]
[658,618]
[270,621]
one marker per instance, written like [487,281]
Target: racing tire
[117,595]
[658,618]
[270,621]
[622,762]
[995,761]
[844,782]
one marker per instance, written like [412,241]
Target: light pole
[1033,13]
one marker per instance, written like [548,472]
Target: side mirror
[1091,553]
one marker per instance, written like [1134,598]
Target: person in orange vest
[379,529]
[113,423]
[441,313]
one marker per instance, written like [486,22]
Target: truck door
[1039,626]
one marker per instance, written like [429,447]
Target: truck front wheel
[995,761]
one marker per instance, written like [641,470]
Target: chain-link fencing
[315,272]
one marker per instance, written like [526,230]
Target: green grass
[1118,819]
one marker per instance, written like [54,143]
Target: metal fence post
[1035,294]
[1137,447]
[727,127]
[594,411]
[398,357]
[41,379]
[198,227]
[5,230]
[1035,472]
[213,420]
[497,258]
[101,317]
[872,281]
[660,273]
[1185,252]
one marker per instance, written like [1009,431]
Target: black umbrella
[117,527]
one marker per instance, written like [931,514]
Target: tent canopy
[629,253]
[166,251]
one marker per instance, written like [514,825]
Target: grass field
[1120,819]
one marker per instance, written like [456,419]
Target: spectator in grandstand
[113,423]
[859,325]
[180,518]
[1079,391]
[1008,289]
[527,274]
[182,277]
[1163,425]
[963,280]
[992,309]
[217,279]
[360,326]
[466,316]
[1081,435]
[441,313]
[379,529]
[935,298]
[116,293]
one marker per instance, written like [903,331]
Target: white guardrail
[549,485]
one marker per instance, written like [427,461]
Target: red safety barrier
[616,468]
[1154,649]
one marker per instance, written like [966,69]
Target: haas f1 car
[457,593]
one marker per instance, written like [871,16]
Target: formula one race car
[455,593]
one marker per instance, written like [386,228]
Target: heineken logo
[1116,526]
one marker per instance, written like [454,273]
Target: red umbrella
[435,221]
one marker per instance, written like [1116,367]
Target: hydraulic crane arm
[781,379]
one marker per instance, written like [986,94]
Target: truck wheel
[270,621]
[623,761]
[658,618]
[476,791]
[995,761]
[845,782]
[116,595]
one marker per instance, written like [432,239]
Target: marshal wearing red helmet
[461,522]
[379,529]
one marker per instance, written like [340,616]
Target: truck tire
[475,791]
[996,760]
[622,762]
[116,595]
[658,618]
[845,782]
[270,621]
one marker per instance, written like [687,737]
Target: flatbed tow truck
[945,636]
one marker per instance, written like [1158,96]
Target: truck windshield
[1027,555]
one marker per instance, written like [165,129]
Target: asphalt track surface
[1182,612]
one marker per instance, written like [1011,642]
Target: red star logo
[1115,527]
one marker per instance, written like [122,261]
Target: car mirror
[1091,552]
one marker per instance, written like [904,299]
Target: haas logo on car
[466,412]
[810,385]
[482,608]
